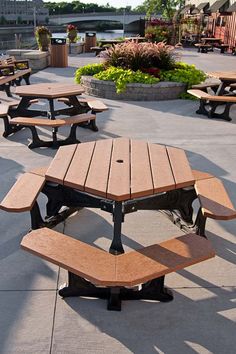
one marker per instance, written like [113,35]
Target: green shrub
[136,56]
[89,69]
[122,77]
[188,74]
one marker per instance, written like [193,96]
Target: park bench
[32,123]
[114,271]
[213,101]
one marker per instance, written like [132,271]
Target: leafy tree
[166,7]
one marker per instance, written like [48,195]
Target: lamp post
[124,22]
[34,15]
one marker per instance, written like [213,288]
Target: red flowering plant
[72,33]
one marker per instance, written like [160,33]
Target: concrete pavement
[201,319]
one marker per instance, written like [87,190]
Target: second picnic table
[23,114]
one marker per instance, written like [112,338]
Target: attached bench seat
[73,121]
[95,106]
[203,48]
[206,85]
[213,101]
[105,269]
[23,194]
[214,199]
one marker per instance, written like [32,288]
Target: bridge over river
[125,18]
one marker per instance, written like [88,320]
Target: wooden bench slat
[77,172]
[163,179]
[214,199]
[23,194]
[97,178]
[44,122]
[119,178]
[141,175]
[60,164]
[181,170]
[77,257]
[157,260]
[128,269]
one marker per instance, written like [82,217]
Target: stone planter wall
[134,92]
[37,60]
[76,48]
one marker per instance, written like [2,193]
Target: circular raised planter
[134,92]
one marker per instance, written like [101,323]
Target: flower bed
[134,92]
[145,71]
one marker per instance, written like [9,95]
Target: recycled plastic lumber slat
[43,122]
[119,178]
[98,173]
[206,96]
[198,175]
[128,269]
[23,194]
[53,90]
[162,175]
[77,257]
[157,260]
[60,164]
[181,170]
[97,106]
[40,171]
[214,199]
[77,172]
[3,109]
[141,176]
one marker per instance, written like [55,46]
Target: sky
[115,3]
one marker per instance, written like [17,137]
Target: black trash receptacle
[59,52]
[90,41]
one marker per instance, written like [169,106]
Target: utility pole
[124,22]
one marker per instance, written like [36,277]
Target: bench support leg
[200,224]
[118,217]
[114,301]
[7,88]
[9,129]
[152,290]
[36,218]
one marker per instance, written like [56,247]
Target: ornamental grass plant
[146,63]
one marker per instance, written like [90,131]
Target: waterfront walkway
[201,319]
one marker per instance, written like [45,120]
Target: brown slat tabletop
[54,90]
[121,169]
[223,75]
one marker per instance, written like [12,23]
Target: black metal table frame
[22,110]
[210,112]
[177,204]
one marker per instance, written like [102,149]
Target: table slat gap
[97,177]
[163,179]
[78,170]
[141,179]
[119,177]
[180,166]
[59,166]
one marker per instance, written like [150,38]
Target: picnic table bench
[12,72]
[213,101]
[119,188]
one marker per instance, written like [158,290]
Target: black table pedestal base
[152,290]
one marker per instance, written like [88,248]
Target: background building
[23,12]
